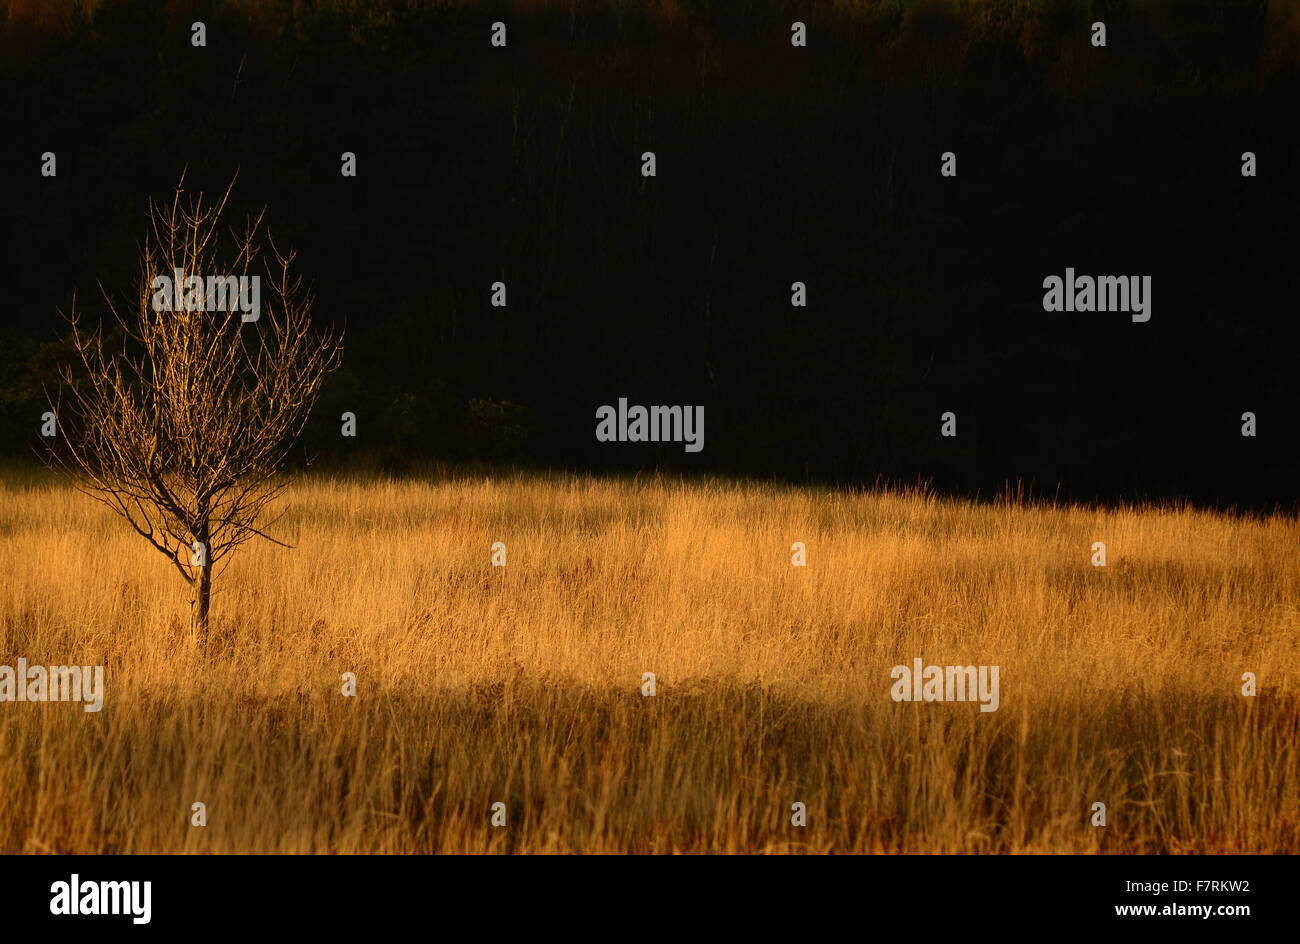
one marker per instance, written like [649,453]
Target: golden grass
[521,684]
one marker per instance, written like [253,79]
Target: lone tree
[181,418]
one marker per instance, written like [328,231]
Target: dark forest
[775,164]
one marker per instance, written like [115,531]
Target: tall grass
[521,684]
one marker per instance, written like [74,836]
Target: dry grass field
[521,684]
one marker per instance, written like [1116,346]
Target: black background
[775,164]
[866,896]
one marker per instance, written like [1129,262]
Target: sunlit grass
[522,684]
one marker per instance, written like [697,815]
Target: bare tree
[181,421]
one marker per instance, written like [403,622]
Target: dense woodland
[775,164]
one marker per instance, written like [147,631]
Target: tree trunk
[202,581]
[202,599]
